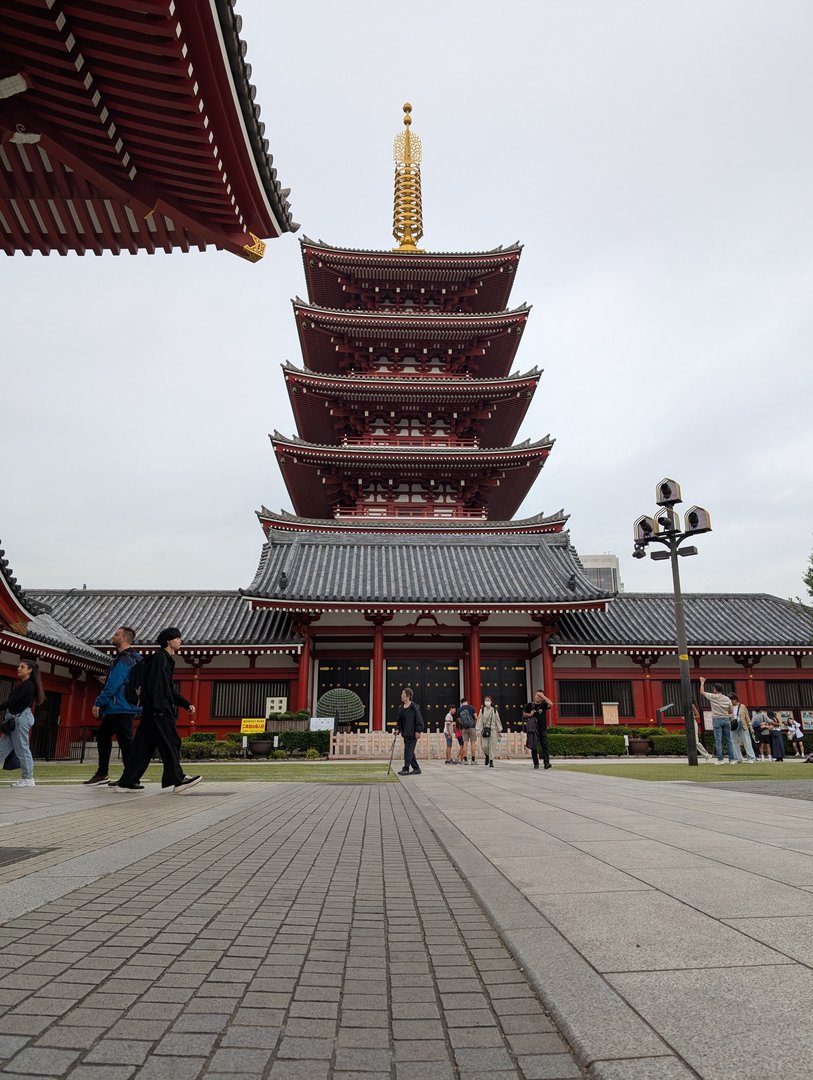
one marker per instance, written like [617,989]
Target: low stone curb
[607,1036]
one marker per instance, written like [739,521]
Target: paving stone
[305,1048]
[171,1068]
[264,1038]
[548,1067]
[187,1044]
[10,1044]
[42,1061]
[103,1072]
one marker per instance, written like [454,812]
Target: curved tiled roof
[716,620]
[231,25]
[511,571]
[206,618]
[413,257]
[42,626]
[413,525]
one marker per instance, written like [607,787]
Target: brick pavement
[316,932]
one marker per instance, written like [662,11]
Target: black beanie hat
[167,635]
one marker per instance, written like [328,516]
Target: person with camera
[535,715]
[19,719]
[721,715]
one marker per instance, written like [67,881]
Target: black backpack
[133,683]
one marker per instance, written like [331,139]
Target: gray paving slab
[288,932]
[724,913]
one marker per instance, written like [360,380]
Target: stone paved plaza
[285,931]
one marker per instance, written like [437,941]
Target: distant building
[603,571]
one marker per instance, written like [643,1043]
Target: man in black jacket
[157,730]
[410,726]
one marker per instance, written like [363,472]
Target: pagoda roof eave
[412,318]
[386,384]
[389,453]
[412,258]
[287,522]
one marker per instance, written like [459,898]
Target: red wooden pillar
[378,675]
[473,689]
[547,628]
[748,695]
[304,676]
[645,664]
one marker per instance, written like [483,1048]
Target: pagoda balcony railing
[420,441]
[405,510]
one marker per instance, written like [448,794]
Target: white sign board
[275,705]
[321,723]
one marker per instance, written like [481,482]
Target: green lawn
[299,772]
[701,774]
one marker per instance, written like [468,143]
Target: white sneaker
[24,783]
[716,761]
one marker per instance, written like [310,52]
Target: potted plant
[261,746]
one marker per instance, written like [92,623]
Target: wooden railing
[385,440]
[378,745]
[396,510]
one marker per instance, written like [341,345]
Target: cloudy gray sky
[654,158]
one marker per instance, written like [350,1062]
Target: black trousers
[120,725]
[543,746]
[156,731]
[410,761]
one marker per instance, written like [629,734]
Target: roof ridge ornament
[407,216]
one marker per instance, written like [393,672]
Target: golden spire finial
[407,217]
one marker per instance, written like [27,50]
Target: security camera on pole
[664,528]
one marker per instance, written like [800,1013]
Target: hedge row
[585,745]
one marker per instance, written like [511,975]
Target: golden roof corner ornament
[407,217]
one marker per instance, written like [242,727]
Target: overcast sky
[656,161]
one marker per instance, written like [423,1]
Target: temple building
[402,561]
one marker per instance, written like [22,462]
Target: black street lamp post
[664,528]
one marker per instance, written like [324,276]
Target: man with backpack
[112,708]
[468,725]
[157,729]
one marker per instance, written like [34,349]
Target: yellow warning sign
[252,727]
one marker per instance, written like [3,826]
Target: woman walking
[489,728]
[20,719]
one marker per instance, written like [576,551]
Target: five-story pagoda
[404,477]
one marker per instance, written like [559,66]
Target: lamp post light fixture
[664,528]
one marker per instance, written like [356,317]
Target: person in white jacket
[489,728]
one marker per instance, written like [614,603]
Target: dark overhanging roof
[723,621]
[519,572]
[206,618]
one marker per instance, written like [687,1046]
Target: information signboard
[252,726]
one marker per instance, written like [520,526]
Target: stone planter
[640,747]
[260,747]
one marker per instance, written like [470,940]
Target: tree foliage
[808,578]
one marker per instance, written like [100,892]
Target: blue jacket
[112,700]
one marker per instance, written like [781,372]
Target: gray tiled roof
[42,626]
[45,629]
[750,620]
[522,570]
[205,618]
